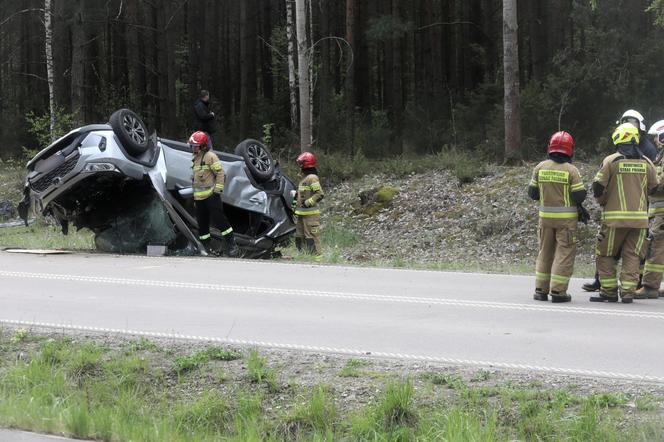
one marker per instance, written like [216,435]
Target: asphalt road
[469,319]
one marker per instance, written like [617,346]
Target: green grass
[259,371]
[352,369]
[195,360]
[43,236]
[87,390]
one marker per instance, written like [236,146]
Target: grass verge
[136,391]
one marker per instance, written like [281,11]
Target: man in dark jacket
[203,116]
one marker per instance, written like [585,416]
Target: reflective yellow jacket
[309,194]
[208,175]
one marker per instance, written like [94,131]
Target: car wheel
[131,131]
[258,159]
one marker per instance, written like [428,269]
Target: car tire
[258,159]
[131,130]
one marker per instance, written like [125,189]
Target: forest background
[390,77]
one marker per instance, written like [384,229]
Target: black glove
[584,215]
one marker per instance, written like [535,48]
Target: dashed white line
[343,351]
[270,291]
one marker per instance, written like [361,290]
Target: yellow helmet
[626,133]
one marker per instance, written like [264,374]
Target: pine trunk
[511,68]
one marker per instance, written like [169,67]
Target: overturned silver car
[132,190]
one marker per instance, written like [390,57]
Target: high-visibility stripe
[628,284]
[643,203]
[204,237]
[599,176]
[649,267]
[566,195]
[315,186]
[303,188]
[621,194]
[199,168]
[576,187]
[655,211]
[617,214]
[218,187]
[612,237]
[307,211]
[227,231]
[533,183]
[543,276]
[608,283]
[203,193]
[639,243]
[216,166]
[559,278]
[563,215]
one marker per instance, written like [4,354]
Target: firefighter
[309,194]
[654,266]
[208,184]
[557,185]
[621,187]
[648,149]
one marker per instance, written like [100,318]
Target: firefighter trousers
[211,208]
[555,261]
[652,276]
[629,243]
[307,233]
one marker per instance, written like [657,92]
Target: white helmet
[657,132]
[634,115]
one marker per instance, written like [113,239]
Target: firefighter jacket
[559,188]
[621,188]
[309,194]
[208,175]
[656,207]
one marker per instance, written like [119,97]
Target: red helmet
[561,142]
[306,160]
[198,139]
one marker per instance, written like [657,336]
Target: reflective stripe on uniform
[216,166]
[621,193]
[559,278]
[542,276]
[608,283]
[657,268]
[628,285]
[618,214]
[577,187]
[227,231]
[303,188]
[558,212]
[307,211]
[204,237]
[218,187]
[639,243]
[199,168]
[315,186]
[202,192]
[553,176]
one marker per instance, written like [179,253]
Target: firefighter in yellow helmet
[621,187]
[309,194]
[208,183]
[652,276]
[557,185]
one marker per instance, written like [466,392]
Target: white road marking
[270,291]
[344,351]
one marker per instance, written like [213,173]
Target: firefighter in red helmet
[208,183]
[309,194]
[557,185]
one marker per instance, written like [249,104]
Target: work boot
[540,295]
[232,249]
[558,297]
[207,245]
[592,286]
[604,298]
[311,245]
[646,292]
[627,299]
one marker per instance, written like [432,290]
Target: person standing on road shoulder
[621,187]
[557,185]
[204,119]
[654,266]
[309,194]
[208,183]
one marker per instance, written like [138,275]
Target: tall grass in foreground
[140,392]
